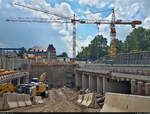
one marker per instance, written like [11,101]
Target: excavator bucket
[42,77]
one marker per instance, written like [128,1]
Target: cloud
[91,3]
[90,15]
[63,9]
[146,22]
[84,43]
[127,10]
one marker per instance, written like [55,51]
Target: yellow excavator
[7,87]
[41,85]
[36,87]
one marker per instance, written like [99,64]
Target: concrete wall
[13,63]
[126,103]
[56,74]
[110,85]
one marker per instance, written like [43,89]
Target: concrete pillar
[133,87]
[139,87]
[92,83]
[18,81]
[85,81]
[147,89]
[99,84]
[78,81]
[104,90]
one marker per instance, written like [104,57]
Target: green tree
[64,54]
[21,52]
[29,49]
[96,49]
[137,40]
[119,46]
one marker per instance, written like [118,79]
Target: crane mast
[112,22]
[74,37]
[113,49]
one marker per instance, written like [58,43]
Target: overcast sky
[15,34]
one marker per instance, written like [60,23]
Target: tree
[138,40]
[119,46]
[96,49]
[21,52]
[29,49]
[64,54]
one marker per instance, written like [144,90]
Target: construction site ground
[59,100]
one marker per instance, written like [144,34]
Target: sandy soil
[59,100]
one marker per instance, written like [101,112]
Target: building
[44,54]
[63,59]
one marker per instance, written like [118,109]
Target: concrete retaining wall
[126,103]
[13,63]
[56,74]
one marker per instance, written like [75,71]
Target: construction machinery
[73,20]
[36,87]
[7,87]
[41,85]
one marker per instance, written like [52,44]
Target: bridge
[102,79]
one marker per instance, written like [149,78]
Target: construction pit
[87,95]
[69,100]
[59,100]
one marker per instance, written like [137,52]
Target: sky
[16,34]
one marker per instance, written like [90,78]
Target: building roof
[50,47]
[38,48]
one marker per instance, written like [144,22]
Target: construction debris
[59,100]
[91,100]
[37,100]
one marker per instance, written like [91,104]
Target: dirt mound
[60,100]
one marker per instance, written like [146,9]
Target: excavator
[7,87]
[36,87]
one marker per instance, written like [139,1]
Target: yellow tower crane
[73,20]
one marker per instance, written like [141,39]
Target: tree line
[137,40]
